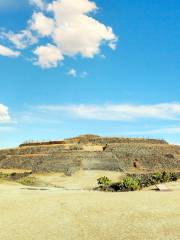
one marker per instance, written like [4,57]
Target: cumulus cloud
[48,56]
[7,52]
[4,114]
[22,39]
[72,72]
[42,24]
[76,32]
[68,25]
[118,112]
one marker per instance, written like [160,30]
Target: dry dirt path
[54,214]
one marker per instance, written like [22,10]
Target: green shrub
[156,178]
[161,178]
[134,183]
[104,182]
[28,181]
[129,184]
[173,177]
[4,176]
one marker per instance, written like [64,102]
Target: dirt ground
[82,180]
[49,213]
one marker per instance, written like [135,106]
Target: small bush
[173,177]
[28,181]
[4,176]
[134,183]
[161,178]
[129,184]
[104,182]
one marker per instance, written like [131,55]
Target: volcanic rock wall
[90,152]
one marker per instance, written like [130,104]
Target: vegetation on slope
[136,182]
[22,178]
[28,181]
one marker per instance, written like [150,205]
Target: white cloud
[4,114]
[39,3]
[6,129]
[7,52]
[118,112]
[76,32]
[72,72]
[42,24]
[77,7]
[113,45]
[166,130]
[67,25]
[22,39]
[48,56]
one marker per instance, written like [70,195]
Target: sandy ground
[30,213]
[85,180]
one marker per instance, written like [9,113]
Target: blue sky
[100,67]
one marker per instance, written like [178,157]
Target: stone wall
[94,153]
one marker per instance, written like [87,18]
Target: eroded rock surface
[91,152]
